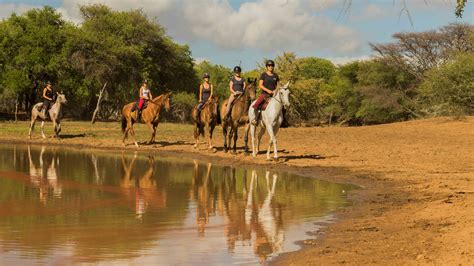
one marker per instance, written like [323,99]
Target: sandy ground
[417,201]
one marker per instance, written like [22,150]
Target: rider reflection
[45,175]
[144,187]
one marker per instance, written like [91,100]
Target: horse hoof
[214,150]
[195,146]
[136,144]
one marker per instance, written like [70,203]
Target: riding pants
[232,98]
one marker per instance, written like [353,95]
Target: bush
[449,90]
[182,104]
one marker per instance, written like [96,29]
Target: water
[62,206]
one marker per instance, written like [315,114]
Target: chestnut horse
[208,118]
[150,116]
[238,116]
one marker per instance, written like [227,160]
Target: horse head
[167,101]
[61,98]
[251,88]
[284,94]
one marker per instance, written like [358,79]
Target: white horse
[55,114]
[271,119]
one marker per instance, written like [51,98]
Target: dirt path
[417,206]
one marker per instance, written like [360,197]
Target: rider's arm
[212,92]
[141,90]
[260,85]
[150,96]
[200,93]
[231,84]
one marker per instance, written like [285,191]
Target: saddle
[135,106]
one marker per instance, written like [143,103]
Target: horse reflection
[44,176]
[142,188]
[201,193]
[263,221]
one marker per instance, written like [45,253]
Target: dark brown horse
[208,118]
[238,116]
[150,116]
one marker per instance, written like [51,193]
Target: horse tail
[124,123]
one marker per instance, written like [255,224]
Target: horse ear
[255,80]
[249,80]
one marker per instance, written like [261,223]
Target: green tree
[220,77]
[449,90]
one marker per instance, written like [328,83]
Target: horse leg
[235,139]
[272,140]
[275,155]
[55,128]
[59,127]
[196,135]
[210,130]
[253,128]
[42,130]
[133,135]
[224,133]
[154,133]
[259,138]
[229,137]
[150,126]
[246,138]
[32,126]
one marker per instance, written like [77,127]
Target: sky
[233,32]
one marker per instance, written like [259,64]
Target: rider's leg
[256,105]
[45,108]
[229,106]
[140,106]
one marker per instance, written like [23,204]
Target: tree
[418,52]
[220,77]
[30,51]
[449,90]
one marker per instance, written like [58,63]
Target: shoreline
[415,178]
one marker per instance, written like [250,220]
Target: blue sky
[228,32]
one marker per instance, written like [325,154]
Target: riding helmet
[206,75]
[237,69]
[145,81]
[270,63]
[48,83]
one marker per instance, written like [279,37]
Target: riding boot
[45,114]
[284,123]
[139,116]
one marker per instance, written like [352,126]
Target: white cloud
[372,11]
[266,25]
[347,59]
[6,10]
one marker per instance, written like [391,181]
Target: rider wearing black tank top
[48,95]
[236,87]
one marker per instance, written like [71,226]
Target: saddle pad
[265,103]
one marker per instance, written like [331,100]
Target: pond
[62,205]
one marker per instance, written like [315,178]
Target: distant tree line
[418,74]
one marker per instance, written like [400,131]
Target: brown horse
[150,116]
[207,118]
[238,116]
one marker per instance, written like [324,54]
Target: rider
[205,93]
[47,98]
[145,95]
[236,87]
[267,83]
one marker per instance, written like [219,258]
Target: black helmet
[48,83]
[237,69]
[270,63]
[206,75]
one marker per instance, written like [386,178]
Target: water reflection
[84,206]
